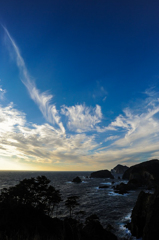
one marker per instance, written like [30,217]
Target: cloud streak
[82,118]
[43,100]
[39,143]
[137,140]
[2,92]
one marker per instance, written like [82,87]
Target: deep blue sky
[100,61]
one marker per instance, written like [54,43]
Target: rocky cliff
[145,216]
[146,173]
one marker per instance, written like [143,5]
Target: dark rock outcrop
[123,188]
[102,174]
[77,180]
[105,186]
[145,173]
[93,230]
[120,169]
[145,216]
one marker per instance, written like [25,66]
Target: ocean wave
[112,193]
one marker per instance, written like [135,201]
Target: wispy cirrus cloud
[43,100]
[105,129]
[111,138]
[44,144]
[2,92]
[39,143]
[138,134]
[82,118]
[100,93]
[139,123]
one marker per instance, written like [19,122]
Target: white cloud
[111,138]
[2,92]
[46,144]
[138,131]
[39,143]
[43,100]
[82,118]
[105,129]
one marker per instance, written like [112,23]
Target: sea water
[110,207]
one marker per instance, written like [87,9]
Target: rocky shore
[145,214]
[145,175]
[27,209]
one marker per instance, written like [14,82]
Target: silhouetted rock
[109,227]
[146,173]
[143,174]
[77,180]
[102,174]
[120,169]
[93,230]
[105,186]
[123,188]
[145,216]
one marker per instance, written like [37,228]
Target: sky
[79,84]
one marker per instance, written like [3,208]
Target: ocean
[110,207]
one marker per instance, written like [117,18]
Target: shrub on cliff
[34,192]
[71,203]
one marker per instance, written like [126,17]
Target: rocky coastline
[145,214]
[24,215]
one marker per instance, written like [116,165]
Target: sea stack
[77,180]
[120,169]
[102,174]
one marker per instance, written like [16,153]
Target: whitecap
[128,217]
[106,183]
[112,193]
[126,230]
